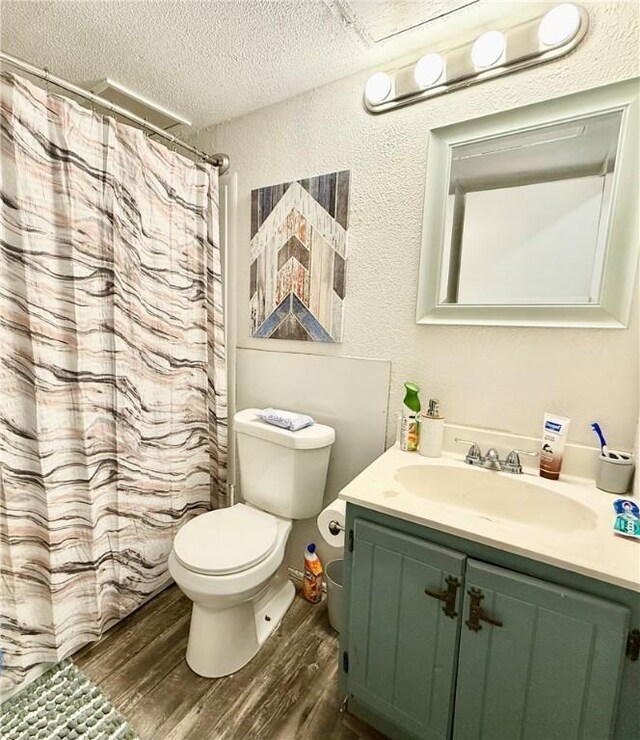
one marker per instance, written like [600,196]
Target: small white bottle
[431,431]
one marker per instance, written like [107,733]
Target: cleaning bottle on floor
[312,581]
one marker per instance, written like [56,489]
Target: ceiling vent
[376,22]
[153,113]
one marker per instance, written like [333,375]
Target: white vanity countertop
[595,552]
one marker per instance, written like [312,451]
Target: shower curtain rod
[221,161]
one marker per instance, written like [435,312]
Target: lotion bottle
[431,430]
[554,437]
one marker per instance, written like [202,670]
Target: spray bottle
[410,424]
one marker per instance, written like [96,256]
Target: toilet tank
[282,472]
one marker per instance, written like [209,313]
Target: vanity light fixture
[523,42]
[428,70]
[488,49]
[378,88]
[559,25]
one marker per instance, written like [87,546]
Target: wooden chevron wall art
[298,258]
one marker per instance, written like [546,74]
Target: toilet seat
[226,541]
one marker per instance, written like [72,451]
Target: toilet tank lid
[309,438]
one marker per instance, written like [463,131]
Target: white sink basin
[566,523]
[496,497]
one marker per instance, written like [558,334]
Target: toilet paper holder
[331,523]
[335,527]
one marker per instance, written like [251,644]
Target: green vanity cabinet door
[550,672]
[402,646]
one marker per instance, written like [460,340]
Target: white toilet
[229,561]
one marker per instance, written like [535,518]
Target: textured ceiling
[376,20]
[214,60]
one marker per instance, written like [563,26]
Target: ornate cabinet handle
[476,612]
[448,596]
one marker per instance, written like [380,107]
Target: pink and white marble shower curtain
[112,370]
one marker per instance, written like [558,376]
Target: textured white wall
[349,394]
[499,377]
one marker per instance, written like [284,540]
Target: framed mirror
[531,215]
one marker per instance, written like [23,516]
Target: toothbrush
[603,442]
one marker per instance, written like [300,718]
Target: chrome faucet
[491,460]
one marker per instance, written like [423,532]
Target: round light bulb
[428,70]
[378,87]
[559,25]
[488,49]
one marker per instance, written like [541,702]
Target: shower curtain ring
[47,87]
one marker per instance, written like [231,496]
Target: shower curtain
[112,370]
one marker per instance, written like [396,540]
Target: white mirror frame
[623,238]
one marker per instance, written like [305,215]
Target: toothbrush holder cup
[615,472]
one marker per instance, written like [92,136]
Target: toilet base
[221,641]
[271,607]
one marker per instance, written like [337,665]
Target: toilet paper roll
[332,518]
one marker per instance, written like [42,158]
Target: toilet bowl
[229,562]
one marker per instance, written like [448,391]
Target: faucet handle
[473,454]
[512,462]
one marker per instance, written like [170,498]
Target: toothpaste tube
[627,518]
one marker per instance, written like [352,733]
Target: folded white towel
[286,419]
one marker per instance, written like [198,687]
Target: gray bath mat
[62,705]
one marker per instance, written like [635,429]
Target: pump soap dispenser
[431,430]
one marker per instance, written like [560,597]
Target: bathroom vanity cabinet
[447,638]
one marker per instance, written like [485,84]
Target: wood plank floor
[289,690]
